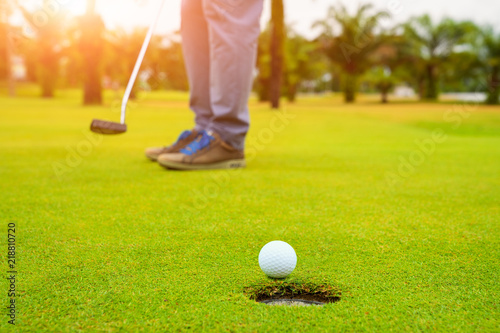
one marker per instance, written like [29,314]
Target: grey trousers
[220,44]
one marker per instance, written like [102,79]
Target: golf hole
[291,302]
[282,293]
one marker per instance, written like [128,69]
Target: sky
[302,13]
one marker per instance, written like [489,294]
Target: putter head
[107,127]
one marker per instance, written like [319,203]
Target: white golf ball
[277,259]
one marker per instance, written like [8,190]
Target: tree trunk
[385,97]
[421,89]
[494,87]
[431,92]
[10,72]
[277,51]
[92,29]
[292,92]
[48,81]
[350,87]
[263,90]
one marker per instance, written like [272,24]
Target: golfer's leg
[234,28]
[196,51]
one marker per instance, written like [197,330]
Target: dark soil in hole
[291,302]
[305,297]
[294,290]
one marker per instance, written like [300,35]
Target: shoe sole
[152,158]
[231,164]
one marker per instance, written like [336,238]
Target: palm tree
[433,44]
[383,80]
[91,47]
[351,49]
[49,37]
[303,61]
[277,51]
[492,48]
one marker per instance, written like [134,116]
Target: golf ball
[277,259]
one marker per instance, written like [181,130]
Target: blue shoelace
[202,142]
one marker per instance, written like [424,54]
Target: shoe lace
[203,141]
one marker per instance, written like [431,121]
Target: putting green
[397,206]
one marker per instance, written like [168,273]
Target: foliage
[431,45]
[166,64]
[163,66]
[50,34]
[382,79]
[462,72]
[123,50]
[491,61]
[430,56]
[353,44]
[262,81]
[303,62]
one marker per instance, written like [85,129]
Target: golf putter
[109,127]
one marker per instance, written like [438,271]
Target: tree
[6,47]
[72,70]
[492,62]
[277,51]
[170,64]
[303,61]
[28,50]
[124,49]
[49,28]
[163,66]
[433,44]
[463,71]
[383,80]
[91,47]
[353,46]
[262,82]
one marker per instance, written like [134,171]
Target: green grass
[110,242]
